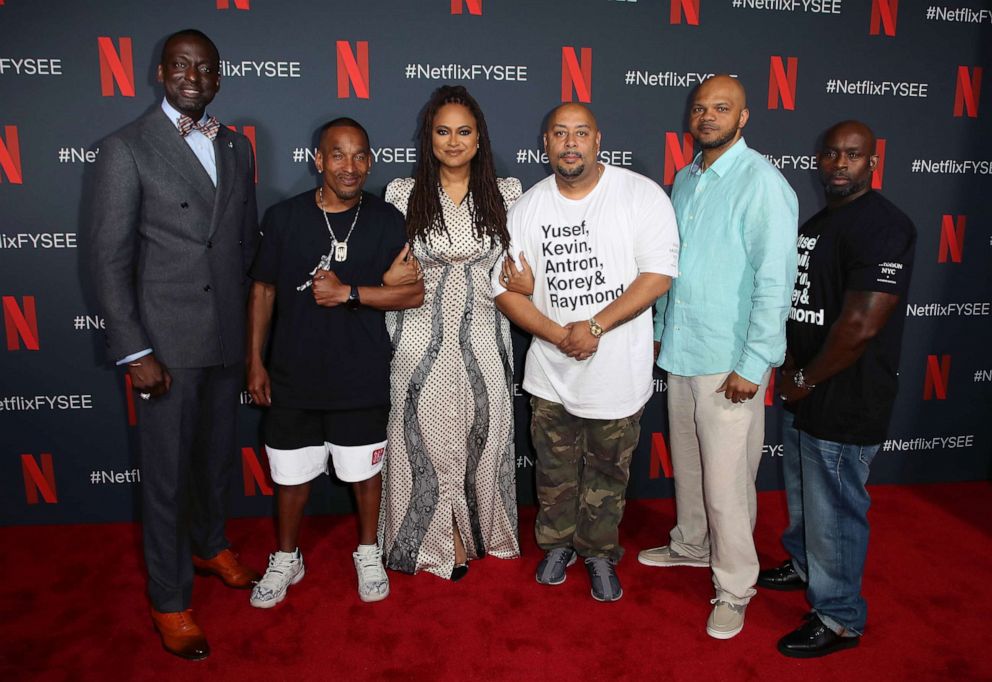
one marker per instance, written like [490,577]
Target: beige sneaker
[666,556]
[725,620]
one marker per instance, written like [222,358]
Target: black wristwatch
[354,300]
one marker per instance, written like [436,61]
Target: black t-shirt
[866,245]
[327,358]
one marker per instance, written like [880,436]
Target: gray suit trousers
[188,451]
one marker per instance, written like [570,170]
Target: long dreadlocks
[424,214]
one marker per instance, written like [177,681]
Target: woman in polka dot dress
[449,491]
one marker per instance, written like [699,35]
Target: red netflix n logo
[770,391]
[240,4]
[256,478]
[474,6]
[116,67]
[690,8]
[132,413]
[938,372]
[951,238]
[661,460]
[677,154]
[782,82]
[353,69]
[576,73]
[883,16]
[39,479]
[249,132]
[879,172]
[967,91]
[20,325]
[10,156]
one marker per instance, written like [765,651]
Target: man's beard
[347,195]
[715,144]
[573,172]
[844,190]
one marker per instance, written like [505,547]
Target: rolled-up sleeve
[769,232]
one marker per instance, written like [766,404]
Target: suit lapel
[170,145]
[226,162]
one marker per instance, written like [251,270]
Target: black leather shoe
[459,572]
[814,639]
[782,577]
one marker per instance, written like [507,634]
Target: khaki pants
[716,448]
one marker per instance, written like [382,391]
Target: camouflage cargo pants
[582,470]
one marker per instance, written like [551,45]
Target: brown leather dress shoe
[181,635]
[227,567]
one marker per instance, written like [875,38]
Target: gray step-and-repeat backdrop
[72,72]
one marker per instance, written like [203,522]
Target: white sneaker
[285,569]
[725,620]
[373,583]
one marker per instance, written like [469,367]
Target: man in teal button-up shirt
[721,328]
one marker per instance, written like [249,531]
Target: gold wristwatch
[595,328]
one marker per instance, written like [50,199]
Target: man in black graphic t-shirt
[839,382]
[327,380]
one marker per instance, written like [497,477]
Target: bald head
[571,111]
[725,86]
[854,127]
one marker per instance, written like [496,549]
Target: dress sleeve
[511,189]
[398,193]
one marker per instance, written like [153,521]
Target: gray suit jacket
[168,251]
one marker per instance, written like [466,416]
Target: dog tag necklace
[339,248]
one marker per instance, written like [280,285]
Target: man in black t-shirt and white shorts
[839,383]
[327,381]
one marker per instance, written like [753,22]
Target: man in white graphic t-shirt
[603,246]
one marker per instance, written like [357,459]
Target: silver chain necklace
[339,248]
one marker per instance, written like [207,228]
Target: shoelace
[739,608]
[183,623]
[276,565]
[369,562]
[601,569]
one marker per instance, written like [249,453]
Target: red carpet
[74,605]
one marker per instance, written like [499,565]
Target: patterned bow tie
[208,128]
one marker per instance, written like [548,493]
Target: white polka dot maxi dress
[450,454]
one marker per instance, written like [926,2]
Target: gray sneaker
[725,620]
[373,583]
[551,570]
[666,556]
[603,576]
[285,569]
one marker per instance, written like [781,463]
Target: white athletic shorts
[299,443]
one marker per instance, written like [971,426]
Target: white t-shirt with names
[585,253]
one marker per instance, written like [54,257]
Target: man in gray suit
[173,228]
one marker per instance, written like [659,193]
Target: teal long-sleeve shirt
[726,311]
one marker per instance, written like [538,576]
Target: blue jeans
[827,536]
